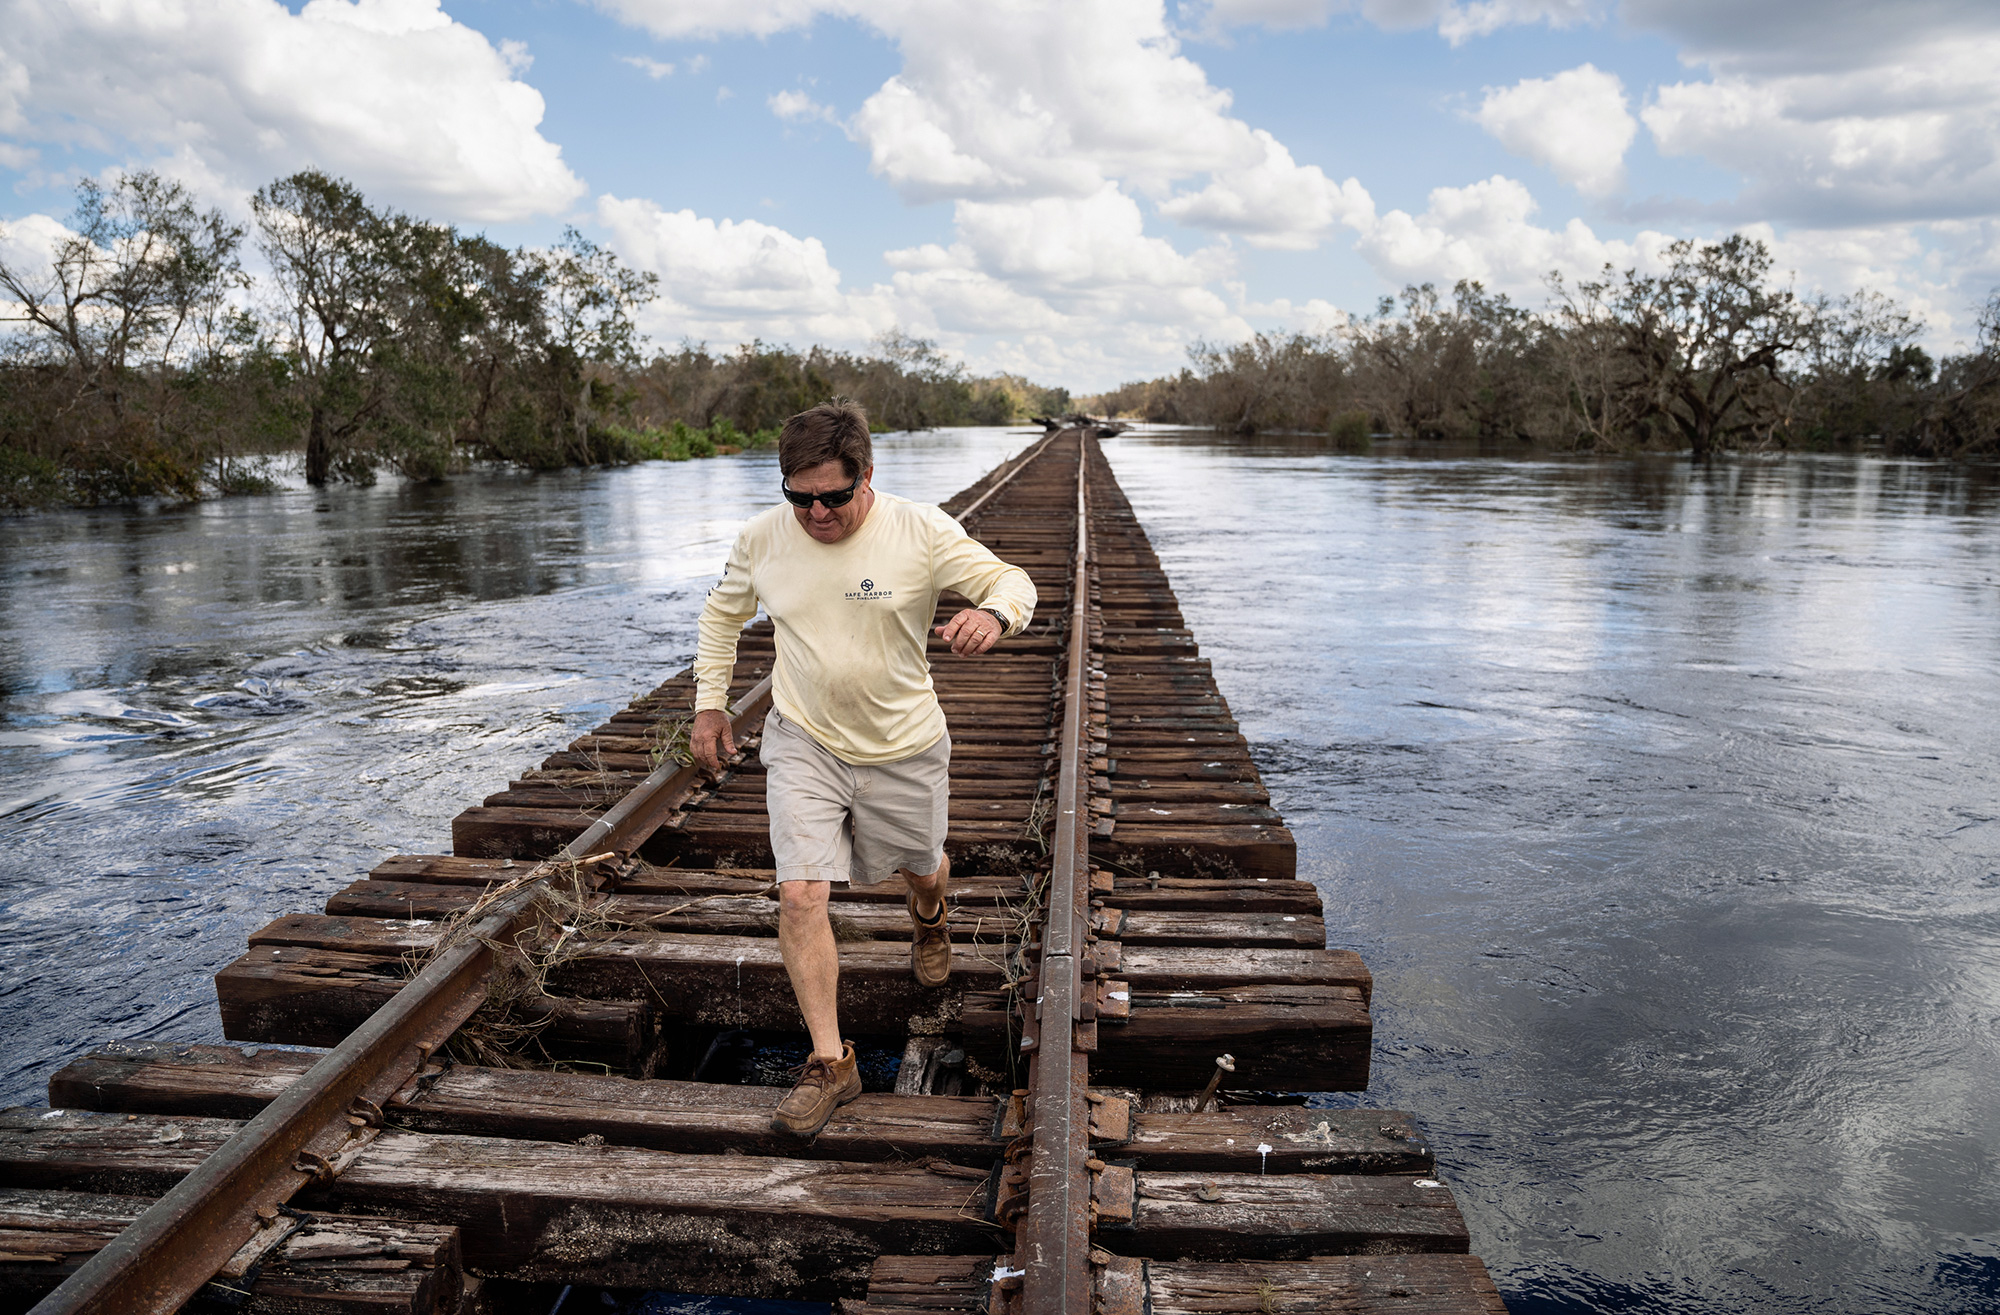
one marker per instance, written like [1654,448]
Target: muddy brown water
[1664,803]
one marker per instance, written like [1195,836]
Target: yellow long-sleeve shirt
[851,618]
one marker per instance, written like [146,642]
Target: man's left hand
[971,632]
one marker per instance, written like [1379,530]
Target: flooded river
[1664,803]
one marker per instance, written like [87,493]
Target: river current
[1663,802]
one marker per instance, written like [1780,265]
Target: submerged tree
[1468,368]
[586,317]
[332,266]
[1269,381]
[121,289]
[141,288]
[1704,341]
[1961,412]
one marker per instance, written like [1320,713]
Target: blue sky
[1076,191]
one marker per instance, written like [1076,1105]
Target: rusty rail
[973,508]
[223,1216]
[1053,1243]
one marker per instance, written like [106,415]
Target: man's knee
[803,899]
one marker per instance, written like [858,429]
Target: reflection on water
[1665,804]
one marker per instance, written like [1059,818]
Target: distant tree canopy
[146,361]
[1707,355]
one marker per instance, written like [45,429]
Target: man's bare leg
[805,939]
[929,888]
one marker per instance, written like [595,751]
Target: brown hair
[831,431]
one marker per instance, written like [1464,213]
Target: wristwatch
[997,617]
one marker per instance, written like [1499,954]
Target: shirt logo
[868,593]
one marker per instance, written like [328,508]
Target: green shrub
[685,443]
[1350,431]
[27,480]
[620,445]
[234,476]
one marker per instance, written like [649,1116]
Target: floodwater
[1664,803]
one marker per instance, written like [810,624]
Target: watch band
[997,617]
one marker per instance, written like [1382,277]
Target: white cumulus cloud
[26,246]
[652,68]
[413,107]
[798,107]
[712,18]
[1575,123]
[1090,243]
[1486,231]
[1271,200]
[729,266]
[1917,137]
[1026,101]
[1455,22]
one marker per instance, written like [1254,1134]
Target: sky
[1074,190]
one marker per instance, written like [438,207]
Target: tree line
[143,357]
[1709,354]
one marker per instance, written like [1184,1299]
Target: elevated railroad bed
[1124,907]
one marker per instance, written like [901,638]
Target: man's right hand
[710,740]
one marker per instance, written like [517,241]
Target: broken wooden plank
[332,1264]
[293,995]
[1301,1140]
[1231,1216]
[1284,1038]
[1279,895]
[701,915]
[157,1077]
[1177,948]
[300,995]
[1420,1284]
[1252,849]
[1203,968]
[1161,927]
[740,981]
[1364,1285]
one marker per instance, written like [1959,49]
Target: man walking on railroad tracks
[855,748]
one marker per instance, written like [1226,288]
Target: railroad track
[1061,1136]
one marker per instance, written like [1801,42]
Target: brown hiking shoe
[930,945]
[823,1086]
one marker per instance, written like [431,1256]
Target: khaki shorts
[834,821]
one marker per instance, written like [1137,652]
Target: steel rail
[1003,481]
[328,1116]
[1053,1244]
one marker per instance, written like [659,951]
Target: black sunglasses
[832,501]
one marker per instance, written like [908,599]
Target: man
[855,748]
